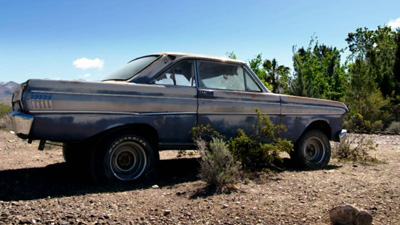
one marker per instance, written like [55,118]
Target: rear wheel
[123,157]
[313,150]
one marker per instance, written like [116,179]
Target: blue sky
[74,39]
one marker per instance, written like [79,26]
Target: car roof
[181,55]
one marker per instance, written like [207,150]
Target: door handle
[206,93]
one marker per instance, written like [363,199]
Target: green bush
[262,148]
[221,162]
[355,122]
[355,148]
[4,109]
[218,168]
[394,127]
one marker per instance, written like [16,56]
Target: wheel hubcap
[314,150]
[128,161]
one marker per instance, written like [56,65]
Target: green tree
[301,86]
[231,55]
[318,71]
[256,65]
[276,75]
[378,50]
[374,84]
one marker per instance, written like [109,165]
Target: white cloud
[85,63]
[394,23]
[86,75]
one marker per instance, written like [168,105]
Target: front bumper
[19,122]
[342,134]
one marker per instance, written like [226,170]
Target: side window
[181,74]
[225,76]
[251,85]
[221,76]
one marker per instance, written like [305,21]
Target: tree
[378,49]
[276,75]
[256,65]
[300,86]
[231,55]
[318,72]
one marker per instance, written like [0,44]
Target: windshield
[131,69]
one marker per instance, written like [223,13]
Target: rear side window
[132,68]
[215,75]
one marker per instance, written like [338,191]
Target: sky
[87,39]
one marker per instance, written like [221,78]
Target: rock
[349,215]
[27,221]
[343,215]
[180,193]
[167,212]
[224,206]
[363,218]
[155,186]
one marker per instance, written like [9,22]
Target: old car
[118,126]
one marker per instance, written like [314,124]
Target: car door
[177,112]
[228,95]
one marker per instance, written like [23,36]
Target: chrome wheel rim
[128,161]
[314,150]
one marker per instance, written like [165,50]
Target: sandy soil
[38,187]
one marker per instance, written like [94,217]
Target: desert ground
[37,187]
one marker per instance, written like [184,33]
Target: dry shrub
[218,168]
[355,148]
[263,147]
[394,128]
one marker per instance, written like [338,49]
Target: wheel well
[322,126]
[144,130]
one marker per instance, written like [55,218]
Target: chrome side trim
[120,113]
[233,113]
[309,114]
[240,101]
[111,95]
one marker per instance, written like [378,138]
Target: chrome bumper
[19,122]
[342,134]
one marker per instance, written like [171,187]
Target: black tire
[77,154]
[313,150]
[123,157]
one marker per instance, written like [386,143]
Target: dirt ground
[37,187]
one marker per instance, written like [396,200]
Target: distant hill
[6,91]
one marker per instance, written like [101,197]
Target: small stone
[180,193]
[344,215]
[155,186]
[355,165]
[224,206]
[363,218]
[167,212]
[26,221]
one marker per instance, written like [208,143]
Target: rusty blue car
[117,126]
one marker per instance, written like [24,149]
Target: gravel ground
[37,187]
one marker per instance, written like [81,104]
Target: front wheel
[123,157]
[313,150]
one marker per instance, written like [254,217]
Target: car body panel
[74,111]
